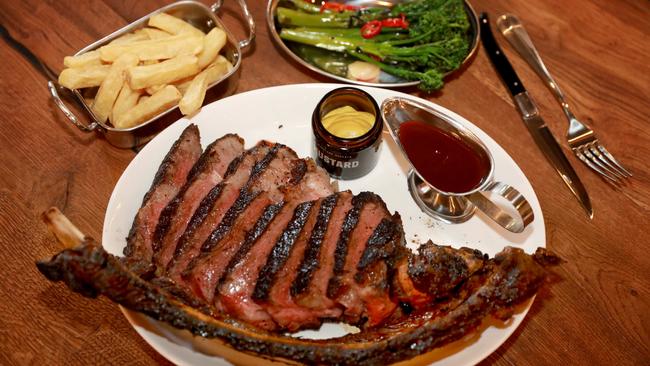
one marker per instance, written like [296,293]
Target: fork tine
[589,155]
[611,158]
[593,166]
[592,148]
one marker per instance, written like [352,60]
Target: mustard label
[347,122]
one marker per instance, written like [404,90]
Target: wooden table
[598,313]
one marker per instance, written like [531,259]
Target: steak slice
[212,209]
[169,179]
[206,173]
[241,275]
[278,168]
[310,287]
[367,221]
[273,287]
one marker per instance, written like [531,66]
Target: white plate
[283,114]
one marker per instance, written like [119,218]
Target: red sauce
[442,159]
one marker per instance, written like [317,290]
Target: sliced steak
[273,287]
[278,168]
[169,179]
[259,248]
[368,230]
[206,173]
[310,287]
[212,209]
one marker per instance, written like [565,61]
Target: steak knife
[533,121]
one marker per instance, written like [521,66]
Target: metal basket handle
[249,19]
[64,108]
[517,200]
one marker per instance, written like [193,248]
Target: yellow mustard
[347,122]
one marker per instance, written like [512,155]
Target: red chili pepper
[337,7]
[371,29]
[400,22]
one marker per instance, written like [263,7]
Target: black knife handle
[499,59]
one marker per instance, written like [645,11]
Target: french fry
[129,38]
[83,77]
[146,109]
[194,90]
[154,89]
[143,98]
[149,62]
[216,70]
[140,77]
[154,33]
[126,100]
[220,62]
[194,95]
[183,84]
[173,25]
[154,49]
[110,87]
[212,44]
[90,58]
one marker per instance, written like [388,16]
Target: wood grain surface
[596,313]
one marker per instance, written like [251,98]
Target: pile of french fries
[148,71]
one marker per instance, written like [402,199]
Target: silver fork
[582,139]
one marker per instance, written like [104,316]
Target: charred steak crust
[251,237]
[261,165]
[281,250]
[205,159]
[166,217]
[310,260]
[387,232]
[188,146]
[436,270]
[298,170]
[349,223]
[170,211]
[199,215]
[187,240]
[244,199]
[168,161]
[511,278]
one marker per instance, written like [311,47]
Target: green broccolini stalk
[435,43]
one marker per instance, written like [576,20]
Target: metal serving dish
[198,15]
[386,81]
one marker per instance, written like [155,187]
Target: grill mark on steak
[261,190]
[315,296]
[368,211]
[279,303]
[280,253]
[258,230]
[349,223]
[507,280]
[169,179]
[204,272]
[375,269]
[310,261]
[239,280]
[274,170]
[384,234]
[212,209]
[206,173]
[228,297]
